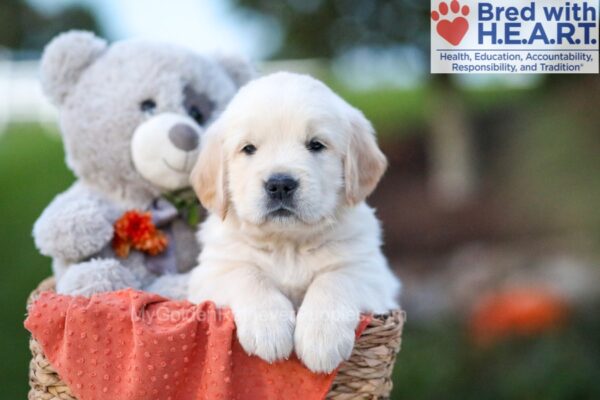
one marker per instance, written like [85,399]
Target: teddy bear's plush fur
[131,115]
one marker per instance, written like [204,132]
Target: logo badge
[514,36]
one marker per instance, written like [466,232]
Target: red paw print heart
[452,30]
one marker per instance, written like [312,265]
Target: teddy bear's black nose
[184,137]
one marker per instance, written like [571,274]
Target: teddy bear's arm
[74,226]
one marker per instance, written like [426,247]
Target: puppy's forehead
[284,104]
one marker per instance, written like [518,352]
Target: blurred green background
[494,181]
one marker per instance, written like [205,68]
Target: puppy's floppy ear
[237,68]
[64,60]
[364,163]
[208,178]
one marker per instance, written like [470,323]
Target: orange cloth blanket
[131,345]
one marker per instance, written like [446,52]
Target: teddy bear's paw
[266,331]
[95,276]
[72,228]
[322,342]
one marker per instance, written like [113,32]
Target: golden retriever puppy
[290,245]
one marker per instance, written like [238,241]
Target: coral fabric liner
[137,346]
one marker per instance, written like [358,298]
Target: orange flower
[516,312]
[136,230]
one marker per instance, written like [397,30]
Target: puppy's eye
[148,106]
[315,146]
[249,149]
[197,115]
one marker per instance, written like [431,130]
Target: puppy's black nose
[184,137]
[281,187]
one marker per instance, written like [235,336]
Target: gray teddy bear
[131,117]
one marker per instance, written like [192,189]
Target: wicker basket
[366,375]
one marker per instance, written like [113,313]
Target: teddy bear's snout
[184,137]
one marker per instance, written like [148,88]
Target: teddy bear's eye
[197,115]
[148,106]
[198,105]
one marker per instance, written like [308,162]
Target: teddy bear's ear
[65,58]
[237,68]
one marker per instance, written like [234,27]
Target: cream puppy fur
[290,245]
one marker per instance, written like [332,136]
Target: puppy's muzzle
[281,187]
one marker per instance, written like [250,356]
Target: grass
[392,112]
[32,171]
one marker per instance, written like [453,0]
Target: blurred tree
[23,27]
[452,153]
[329,28]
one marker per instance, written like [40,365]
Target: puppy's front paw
[267,330]
[323,341]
